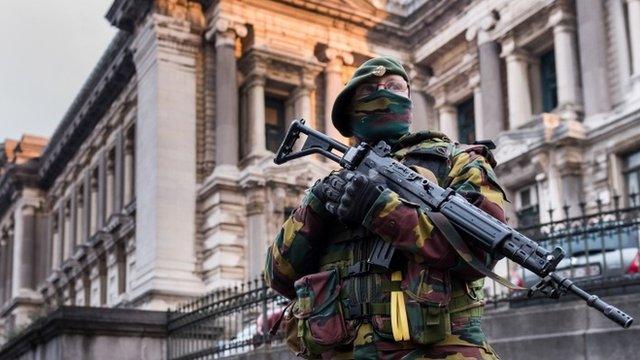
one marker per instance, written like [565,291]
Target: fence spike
[583,208]
[566,207]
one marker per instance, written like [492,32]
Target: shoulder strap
[451,234]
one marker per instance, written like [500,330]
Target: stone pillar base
[222,204]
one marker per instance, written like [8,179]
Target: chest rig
[366,289]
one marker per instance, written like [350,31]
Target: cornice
[108,79]
[125,14]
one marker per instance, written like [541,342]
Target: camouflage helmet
[376,67]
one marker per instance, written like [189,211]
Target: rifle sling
[453,237]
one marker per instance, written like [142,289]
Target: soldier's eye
[366,89]
[396,86]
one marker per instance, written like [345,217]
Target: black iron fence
[601,241]
[226,322]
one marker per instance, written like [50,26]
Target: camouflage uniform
[343,304]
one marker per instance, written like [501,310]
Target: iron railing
[601,241]
[226,322]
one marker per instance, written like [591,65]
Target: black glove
[322,187]
[350,195]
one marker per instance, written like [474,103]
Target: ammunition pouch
[321,324]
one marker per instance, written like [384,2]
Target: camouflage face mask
[381,115]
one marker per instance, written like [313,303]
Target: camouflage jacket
[320,262]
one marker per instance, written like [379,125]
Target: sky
[47,51]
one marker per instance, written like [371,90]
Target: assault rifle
[480,228]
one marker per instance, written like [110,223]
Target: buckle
[359,310]
[358,268]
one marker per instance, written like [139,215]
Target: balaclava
[381,115]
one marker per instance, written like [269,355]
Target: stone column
[8,265]
[493,121]
[112,278]
[62,229]
[75,220]
[93,186]
[55,240]
[547,185]
[474,83]
[535,85]
[24,250]
[633,10]
[83,289]
[109,188]
[86,204]
[256,225]
[102,191]
[332,87]
[593,62]
[422,110]
[566,58]
[76,228]
[448,116]
[68,230]
[165,51]
[3,262]
[302,101]
[621,40]
[118,172]
[129,168]
[517,84]
[257,138]
[225,34]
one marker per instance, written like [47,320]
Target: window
[631,173]
[527,206]
[549,81]
[466,122]
[274,122]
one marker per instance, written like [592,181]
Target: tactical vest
[349,291]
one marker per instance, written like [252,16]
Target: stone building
[158,185]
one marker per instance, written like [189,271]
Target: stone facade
[158,185]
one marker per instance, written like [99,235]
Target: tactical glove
[350,195]
[327,187]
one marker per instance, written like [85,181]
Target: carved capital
[474,80]
[569,160]
[511,51]
[307,80]
[540,162]
[186,10]
[561,20]
[335,58]
[225,32]
[255,67]
[481,29]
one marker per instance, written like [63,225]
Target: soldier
[429,303]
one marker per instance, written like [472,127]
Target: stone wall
[80,333]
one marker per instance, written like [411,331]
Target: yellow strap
[399,322]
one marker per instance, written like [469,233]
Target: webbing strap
[365,310]
[399,321]
[452,235]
